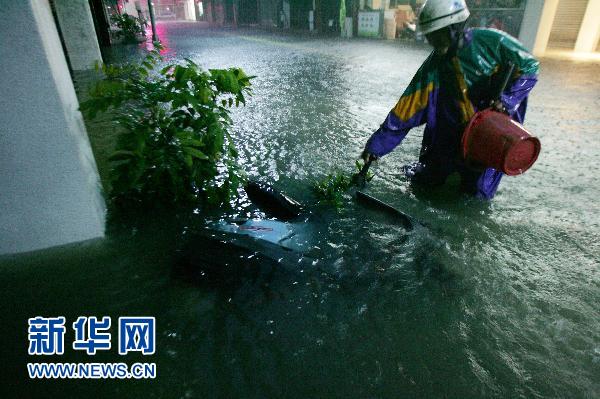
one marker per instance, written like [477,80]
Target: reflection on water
[489,300]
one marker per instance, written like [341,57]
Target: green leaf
[188,160]
[178,73]
[195,153]
[204,95]
[187,139]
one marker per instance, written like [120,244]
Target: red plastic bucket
[492,139]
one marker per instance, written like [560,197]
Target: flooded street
[484,299]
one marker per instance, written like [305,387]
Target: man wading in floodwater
[461,76]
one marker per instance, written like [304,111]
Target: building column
[51,192]
[537,24]
[79,35]
[190,11]
[589,33]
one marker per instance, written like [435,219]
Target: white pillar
[78,32]
[190,13]
[531,23]
[50,186]
[537,24]
[587,38]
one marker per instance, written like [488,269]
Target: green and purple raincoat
[445,92]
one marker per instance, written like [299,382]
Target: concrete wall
[78,32]
[50,186]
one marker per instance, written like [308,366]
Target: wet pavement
[496,299]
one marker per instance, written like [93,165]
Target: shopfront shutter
[567,22]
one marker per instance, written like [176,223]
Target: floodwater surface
[486,299]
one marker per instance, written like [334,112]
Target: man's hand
[367,156]
[497,105]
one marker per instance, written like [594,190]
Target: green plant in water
[175,145]
[332,188]
[129,27]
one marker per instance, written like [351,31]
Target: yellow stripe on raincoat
[409,105]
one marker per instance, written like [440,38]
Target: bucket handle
[505,80]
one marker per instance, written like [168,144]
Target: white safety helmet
[438,14]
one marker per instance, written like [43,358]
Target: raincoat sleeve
[411,110]
[514,97]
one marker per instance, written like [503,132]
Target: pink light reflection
[161,32]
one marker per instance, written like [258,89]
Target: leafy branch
[175,145]
[331,189]
[129,27]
